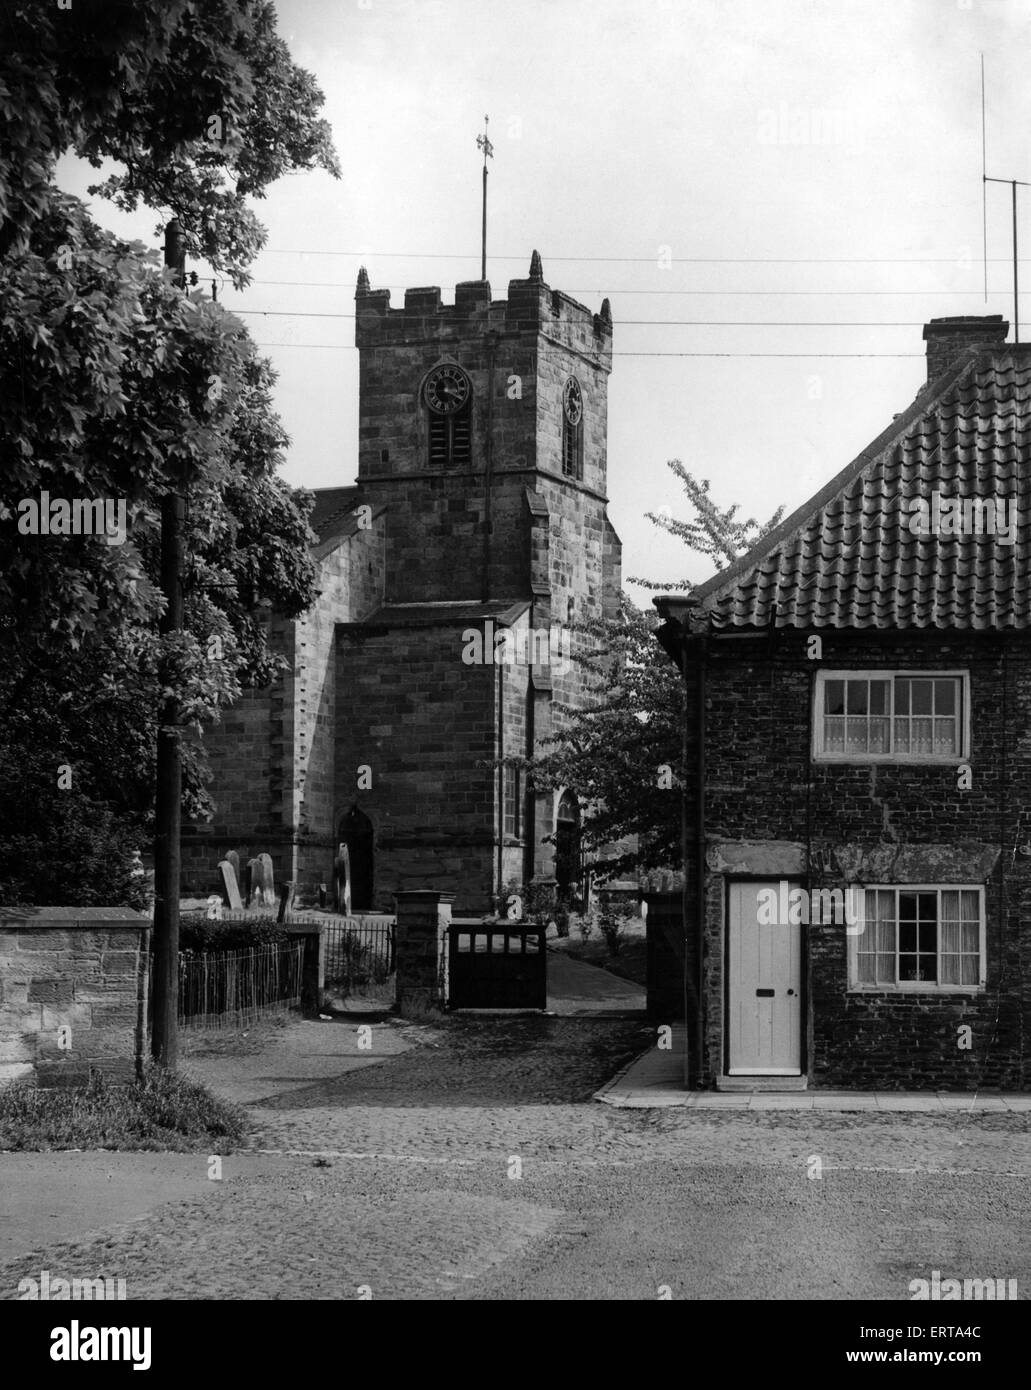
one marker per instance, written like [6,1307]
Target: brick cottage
[858,738]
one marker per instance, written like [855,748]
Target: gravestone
[254,884]
[214,912]
[231,886]
[342,879]
[234,859]
[286,893]
[268,884]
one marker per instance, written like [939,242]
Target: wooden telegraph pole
[168,798]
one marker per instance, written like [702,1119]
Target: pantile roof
[853,556]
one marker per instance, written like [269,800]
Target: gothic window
[572,430]
[568,852]
[447,395]
[513,791]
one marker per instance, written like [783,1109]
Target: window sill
[922,987]
[913,759]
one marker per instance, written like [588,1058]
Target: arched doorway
[567,846]
[356,834]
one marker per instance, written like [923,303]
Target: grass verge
[163,1111]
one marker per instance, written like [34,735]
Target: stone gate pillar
[423,917]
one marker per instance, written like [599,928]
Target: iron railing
[360,953]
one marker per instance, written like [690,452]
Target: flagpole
[483,143]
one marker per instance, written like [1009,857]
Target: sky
[775,196]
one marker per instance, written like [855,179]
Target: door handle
[791,991]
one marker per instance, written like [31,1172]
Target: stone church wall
[272,754]
[351,586]
[245,758]
[421,721]
[515,682]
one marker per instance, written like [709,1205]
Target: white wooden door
[764,970]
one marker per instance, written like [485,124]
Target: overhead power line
[923,294]
[655,323]
[348,347]
[617,353]
[645,260]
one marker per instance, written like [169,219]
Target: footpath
[655,1080]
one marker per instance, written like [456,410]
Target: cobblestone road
[469,1161]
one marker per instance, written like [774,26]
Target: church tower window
[448,398]
[572,430]
[513,799]
[568,852]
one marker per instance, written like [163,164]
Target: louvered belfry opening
[451,440]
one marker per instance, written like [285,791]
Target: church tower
[439,643]
[482,458]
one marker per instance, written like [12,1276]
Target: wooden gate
[497,967]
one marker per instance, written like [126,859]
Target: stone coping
[70,917]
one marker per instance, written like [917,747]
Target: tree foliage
[714,531]
[197,101]
[117,386]
[622,754]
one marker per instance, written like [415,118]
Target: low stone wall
[73,993]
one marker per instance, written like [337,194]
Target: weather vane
[483,143]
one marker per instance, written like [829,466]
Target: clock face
[572,401]
[447,389]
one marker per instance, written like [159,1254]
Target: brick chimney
[948,339]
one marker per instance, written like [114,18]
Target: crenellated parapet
[532,308]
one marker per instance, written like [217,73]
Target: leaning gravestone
[268,884]
[231,886]
[234,859]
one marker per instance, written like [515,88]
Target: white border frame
[919,986]
[889,673]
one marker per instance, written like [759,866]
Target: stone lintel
[965,861]
[773,858]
